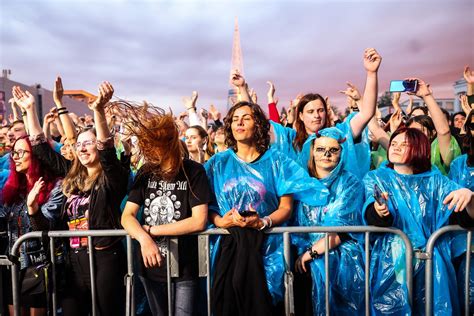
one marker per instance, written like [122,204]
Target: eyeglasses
[86,143]
[325,151]
[19,153]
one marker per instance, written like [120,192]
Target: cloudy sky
[162,50]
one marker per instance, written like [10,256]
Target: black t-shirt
[167,202]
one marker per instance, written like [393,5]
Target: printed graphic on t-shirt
[162,206]
[78,214]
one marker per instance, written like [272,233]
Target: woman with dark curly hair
[254,187]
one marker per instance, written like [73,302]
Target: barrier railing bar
[208,279]
[467,275]
[52,252]
[326,271]
[289,303]
[130,280]
[367,273]
[430,244]
[168,277]
[90,249]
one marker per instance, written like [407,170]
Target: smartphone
[246,213]
[403,85]
[378,195]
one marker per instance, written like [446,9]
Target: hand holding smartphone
[403,85]
[378,195]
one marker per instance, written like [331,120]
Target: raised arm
[98,106]
[239,82]
[66,122]
[272,109]
[372,62]
[26,101]
[469,76]
[439,120]
[190,104]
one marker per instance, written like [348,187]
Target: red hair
[418,154]
[17,185]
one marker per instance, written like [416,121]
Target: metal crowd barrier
[204,261]
[429,267]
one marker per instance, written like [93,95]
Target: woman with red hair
[410,195]
[29,203]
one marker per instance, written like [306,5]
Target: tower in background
[237,63]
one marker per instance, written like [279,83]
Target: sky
[160,51]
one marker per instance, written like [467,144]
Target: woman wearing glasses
[94,185]
[418,200]
[29,203]
[344,206]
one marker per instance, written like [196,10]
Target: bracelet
[265,224]
[269,221]
[313,253]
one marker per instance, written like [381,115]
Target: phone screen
[403,85]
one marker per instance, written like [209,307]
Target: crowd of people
[157,174]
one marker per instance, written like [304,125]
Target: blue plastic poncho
[463,175]
[357,160]
[415,201]
[346,197]
[236,184]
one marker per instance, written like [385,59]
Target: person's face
[421,128]
[219,138]
[3,136]
[21,156]
[194,142]
[86,149]
[313,116]
[417,112]
[326,153]
[16,131]
[459,121]
[398,150]
[243,124]
[67,150]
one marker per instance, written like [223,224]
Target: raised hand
[331,115]
[215,114]
[271,92]
[351,91]
[33,195]
[190,102]
[465,104]
[106,91]
[24,99]
[395,120]
[253,96]
[468,74]
[372,60]
[58,92]
[49,118]
[237,80]
[423,89]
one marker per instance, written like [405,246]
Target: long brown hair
[77,179]
[301,134]
[158,137]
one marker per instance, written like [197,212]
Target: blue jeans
[183,296]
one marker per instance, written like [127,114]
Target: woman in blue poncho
[254,187]
[462,172]
[344,206]
[312,116]
[419,201]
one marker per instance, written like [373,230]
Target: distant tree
[385,100]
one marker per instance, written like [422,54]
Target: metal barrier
[130,306]
[429,267]
[204,261]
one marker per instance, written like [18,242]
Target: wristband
[269,221]
[63,112]
[265,224]
[313,253]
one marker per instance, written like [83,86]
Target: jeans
[183,296]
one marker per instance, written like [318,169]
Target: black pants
[110,269]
